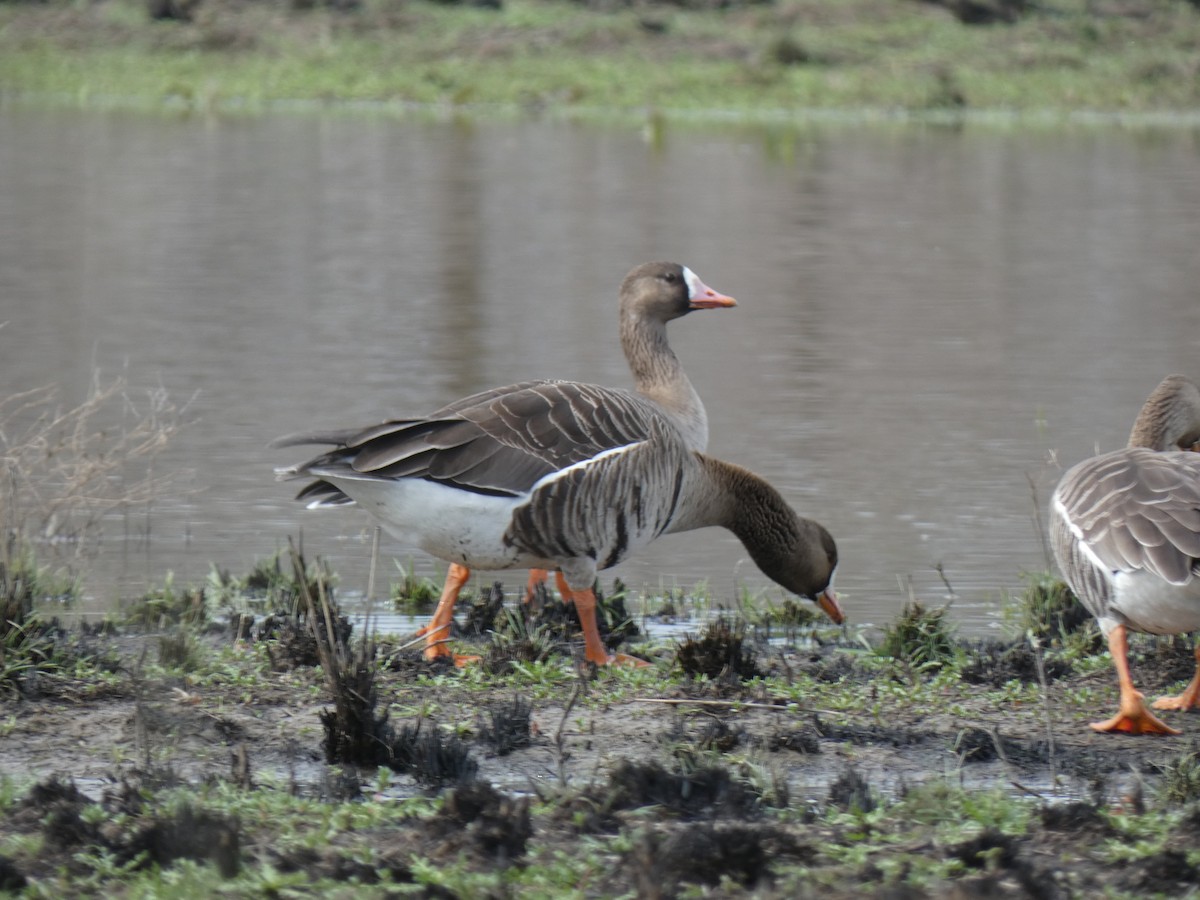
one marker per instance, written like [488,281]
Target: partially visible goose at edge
[563,476]
[651,295]
[1125,528]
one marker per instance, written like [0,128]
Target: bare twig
[1046,711]
[374,564]
[560,747]
[739,704]
[1038,524]
[946,581]
[1027,790]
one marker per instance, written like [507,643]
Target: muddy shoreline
[826,769]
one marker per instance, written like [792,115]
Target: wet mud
[743,767]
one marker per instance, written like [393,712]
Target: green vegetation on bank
[731,793]
[777,59]
[140,840]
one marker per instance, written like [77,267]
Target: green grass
[901,839]
[770,60]
[275,824]
[921,639]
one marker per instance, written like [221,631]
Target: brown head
[663,291]
[795,552]
[810,567]
[1170,417]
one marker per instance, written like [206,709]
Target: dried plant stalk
[64,469]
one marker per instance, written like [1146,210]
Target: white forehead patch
[693,282]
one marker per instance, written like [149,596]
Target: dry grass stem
[65,468]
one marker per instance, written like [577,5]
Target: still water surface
[932,323]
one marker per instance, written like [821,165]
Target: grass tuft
[412,594]
[28,644]
[1180,779]
[920,638]
[507,726]
[851,792]
[1049,610]
[168,606]
[722,651]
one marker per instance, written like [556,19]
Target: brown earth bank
[737,764]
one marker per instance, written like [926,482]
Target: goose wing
[1132,510]
[501,441]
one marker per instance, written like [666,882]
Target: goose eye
[669,277]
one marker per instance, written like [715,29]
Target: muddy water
[931,322]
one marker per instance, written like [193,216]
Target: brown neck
[659,376]
[794,552]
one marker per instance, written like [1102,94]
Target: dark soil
[668,775]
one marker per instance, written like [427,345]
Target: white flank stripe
[582,464]
[1079,538]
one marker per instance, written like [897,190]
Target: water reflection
[929,319]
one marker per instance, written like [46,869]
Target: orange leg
[536,577]
[1191,694]
[437,632]
[456,578]
[594,650]
[1132,716]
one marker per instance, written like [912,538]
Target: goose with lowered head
[651,295]
[561,476]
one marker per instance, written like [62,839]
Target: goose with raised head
[1125,528]
[651,295]
[560,476]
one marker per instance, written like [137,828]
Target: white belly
[1152,605]
[454,525]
